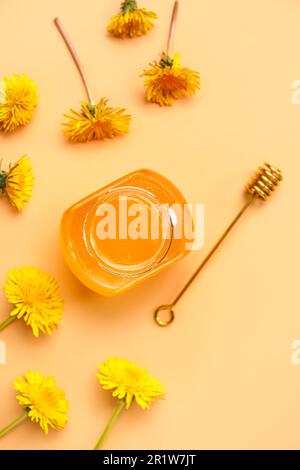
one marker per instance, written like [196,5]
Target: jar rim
[94,247]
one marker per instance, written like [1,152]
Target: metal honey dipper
[261,186]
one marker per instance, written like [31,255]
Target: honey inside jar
[123,233]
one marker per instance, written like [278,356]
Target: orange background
[225,362]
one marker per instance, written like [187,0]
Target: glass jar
[126,231]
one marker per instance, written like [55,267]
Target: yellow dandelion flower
[96,122]
[35,297]
[18,100]
[129,381]
[131,21]
[167,81]
[43,402]
[17,182]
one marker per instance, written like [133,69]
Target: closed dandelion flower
[96,122]
[131,21]
[18,100]
[93,121]
[43,403]
[166,81]
[17,183]
[36,299]
[127,382]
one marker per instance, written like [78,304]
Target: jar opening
[128,231]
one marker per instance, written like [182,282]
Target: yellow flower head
[166,81]
[131,21]
[36,298]
[17,183]
[18,100]
[44,403]
[96,122]
[129,381]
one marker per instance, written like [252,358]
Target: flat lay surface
[226,361]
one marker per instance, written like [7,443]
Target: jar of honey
[126,231]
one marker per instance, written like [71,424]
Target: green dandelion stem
[13,424]
[119,407]
[7,322]
[3,176]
